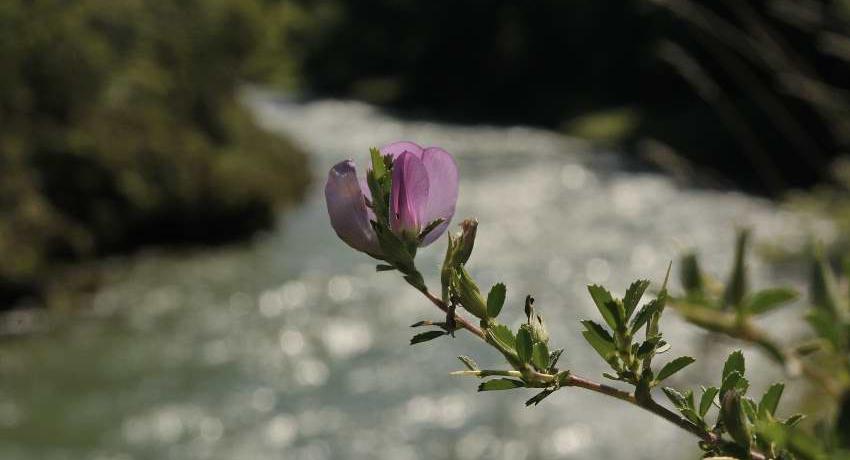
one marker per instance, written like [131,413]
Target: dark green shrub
[120,127]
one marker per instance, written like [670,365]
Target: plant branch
[745,330]
[573,380]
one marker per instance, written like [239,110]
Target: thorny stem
[581,382]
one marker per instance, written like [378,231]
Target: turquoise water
[292,347]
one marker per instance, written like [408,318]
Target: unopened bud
[535,322]
[465,241]
[470,295]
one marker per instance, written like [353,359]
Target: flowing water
[293,347]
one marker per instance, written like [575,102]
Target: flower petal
[347,209]
[409,195]
[442,190]
[397,148]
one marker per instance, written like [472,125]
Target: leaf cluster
[620,345]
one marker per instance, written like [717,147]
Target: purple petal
[347,209]
[442,190]
[397,148]
[409,195]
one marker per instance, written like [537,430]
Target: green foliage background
[119,126]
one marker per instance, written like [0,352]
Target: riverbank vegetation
[121,127]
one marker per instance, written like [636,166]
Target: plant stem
[745,330]
[581,382]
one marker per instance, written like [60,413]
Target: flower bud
[535,322]
[735,419]
[465,241]
[470,295]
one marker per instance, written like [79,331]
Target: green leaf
[500,384]
[601,297]
[769,299]
[599,339]
[524,344]
[495,300]
[644,315]
[647,347]
[794,420]
[708,395]
[736,288]
[468,362]
[426,336]
[674,366]
[540,356]
[692,415]
[677,398]
[735,362]
[554,357]
[750,408]
[618,312]
[823,287]
[633,295]
[734,381]
[842,421]
[825,326]
[770,401]
[691,275]
[503,335]
[539,397]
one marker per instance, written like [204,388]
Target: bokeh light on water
[292,347]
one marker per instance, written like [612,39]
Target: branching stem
[581,382]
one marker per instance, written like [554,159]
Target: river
[292,347]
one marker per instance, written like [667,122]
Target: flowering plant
[407,201]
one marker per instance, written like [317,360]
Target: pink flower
[424,190]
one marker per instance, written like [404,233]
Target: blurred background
[170,285]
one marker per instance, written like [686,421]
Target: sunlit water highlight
[292,347]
